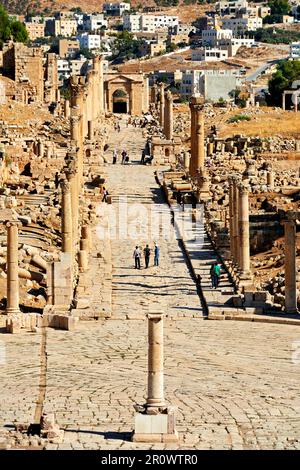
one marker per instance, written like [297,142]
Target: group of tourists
[124,157]
[137,255]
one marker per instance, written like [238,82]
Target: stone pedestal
[155,422]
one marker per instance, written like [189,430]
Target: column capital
[154,315]
[65,186]
[13,223]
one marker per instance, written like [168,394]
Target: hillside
[186,13]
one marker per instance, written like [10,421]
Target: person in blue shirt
[156,255]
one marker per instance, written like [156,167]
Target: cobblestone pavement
[236,384]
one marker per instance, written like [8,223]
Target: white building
[165,21]
[231,8]
[132,23]
[116,9]
[89,41]
[94,22]
[212,84]
[295,50]
[211,37]
[240,25]
[209,54]
[148,23]
[63,68]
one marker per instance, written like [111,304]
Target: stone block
[248,297]
[237,301]
[155,428]
[262,296]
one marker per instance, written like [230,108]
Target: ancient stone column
[235,222]
[186,161]
[82,257]
[66,218]
[197,135]
[290,266]
[12,268]
[168,116]
[153,94]
[86,235]
[40,148]
[90,130]
[244,232]
[155,361]
[71,175]
[67,111]
[270,179]
[161,104]
[231,218]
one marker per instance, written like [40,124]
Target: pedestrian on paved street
[147,252]
[215,272]
[218,273]
[137,257]
[124,155]
[213,276]
[156,254]
[115,156]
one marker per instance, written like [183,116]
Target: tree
[287,72]
[11,28]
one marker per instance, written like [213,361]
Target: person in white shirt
[137,257]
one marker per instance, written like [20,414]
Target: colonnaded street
[235,383]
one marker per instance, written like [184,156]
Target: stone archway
[120,101]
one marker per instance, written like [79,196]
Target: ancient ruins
[241,194]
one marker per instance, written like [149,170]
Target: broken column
[168,116]
[244,233]
[66,218]
[197,135]
[155,422]
[290,265]
[12,268]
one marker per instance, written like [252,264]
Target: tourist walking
[215,272]
[156,255]
[124,155]
[137,257]
[147,252]
[115,157]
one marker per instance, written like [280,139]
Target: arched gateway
[126,93]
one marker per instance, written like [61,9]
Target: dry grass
[270,123]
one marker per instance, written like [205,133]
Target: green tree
[11,28]
[287,72]
[279,7]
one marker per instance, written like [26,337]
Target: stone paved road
[236,384]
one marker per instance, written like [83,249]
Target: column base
[155,428]
[12,311]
